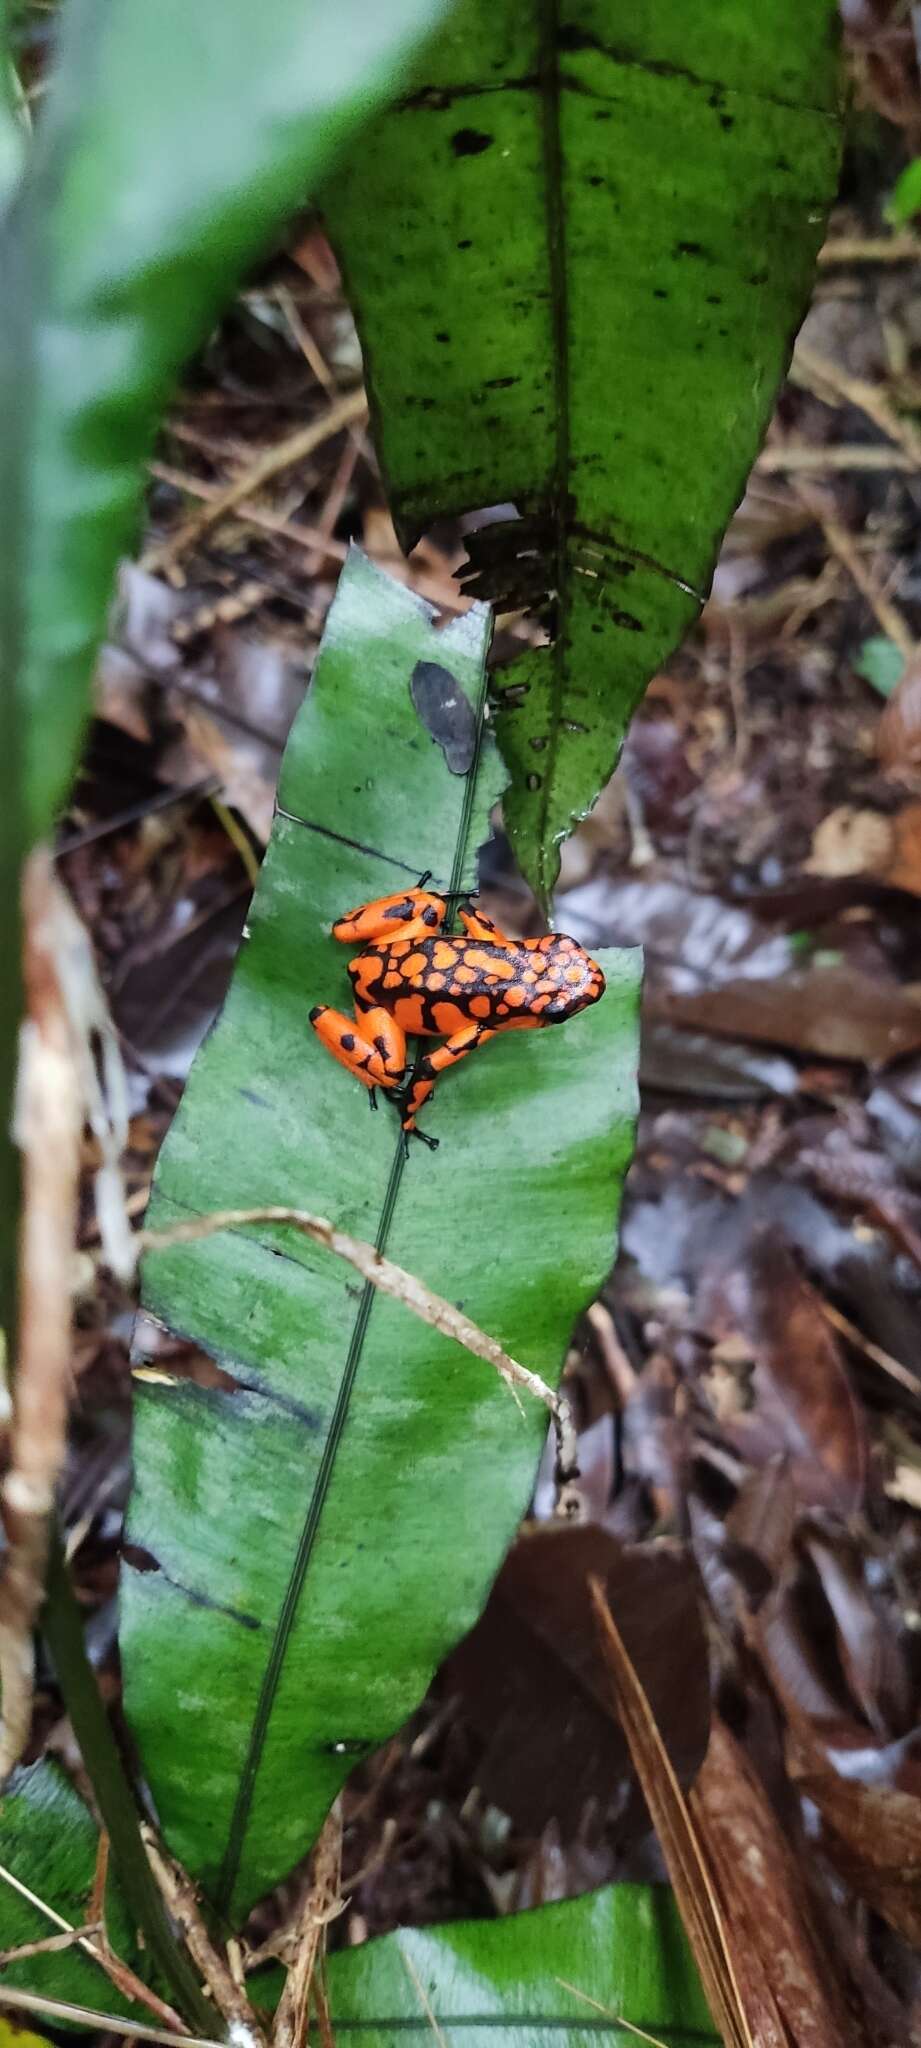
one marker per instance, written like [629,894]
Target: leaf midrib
[242,1808]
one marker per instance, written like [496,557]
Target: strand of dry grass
[803,455]
[842,544]
[91,1938]
[439,590]
[820,375]
[296,447]
[869,249]
[322,1904]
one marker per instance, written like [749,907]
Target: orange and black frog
[414,979]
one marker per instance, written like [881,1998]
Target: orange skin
[429,984]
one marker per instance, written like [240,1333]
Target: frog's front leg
[412,914]
[372,1045]
[434,1063]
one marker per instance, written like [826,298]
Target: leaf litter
[751,1466]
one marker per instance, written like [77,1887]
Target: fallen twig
[323,1904]
[842,544]
[178,1894]
[820,375]
[294,448]
[431,1308]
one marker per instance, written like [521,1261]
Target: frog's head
[579,980]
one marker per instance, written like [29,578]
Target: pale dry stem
[178,1893]
[48,1128]
[323,1904]
[391,1279]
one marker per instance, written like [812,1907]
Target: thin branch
[842,544]
[323,1904]
[294,448]
[179,1896]
[820,375]
[391,1279]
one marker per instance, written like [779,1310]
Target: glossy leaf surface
[174,144]
[578,249]
[48,1841]
[319,1532]
[514,1983]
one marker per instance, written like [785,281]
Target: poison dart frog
[430,984]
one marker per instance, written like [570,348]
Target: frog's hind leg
[434,1063]
[372,1045]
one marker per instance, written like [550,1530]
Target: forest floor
[748,1385]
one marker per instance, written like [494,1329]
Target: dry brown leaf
[787,1988]
[850,842]
[834,1013]
[872,1833]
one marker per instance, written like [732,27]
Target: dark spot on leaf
[539,744]
[534,781]
[658,293]
[442,336]
[258,1101]
[759,277]
[501,383]
[572,725]
[689,249]
[470,142]
[714,299]
[596,180]
[623,568]
[466,244]
[627,620]
[602,115]
[783,163]
[446,713]
[727,121]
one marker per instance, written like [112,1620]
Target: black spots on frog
[347,1041]
[470,141]
[446,713]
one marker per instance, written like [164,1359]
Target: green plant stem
[63,1629]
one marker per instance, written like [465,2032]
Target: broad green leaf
[514,1983]
[325,1527]
[175,141]
[48,1841]
[577,249]
[906,197]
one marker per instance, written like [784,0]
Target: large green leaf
[577,249]
[504,1983]
[174,143]
[324,1530]
[48,1841]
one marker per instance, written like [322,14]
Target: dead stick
[295,448]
